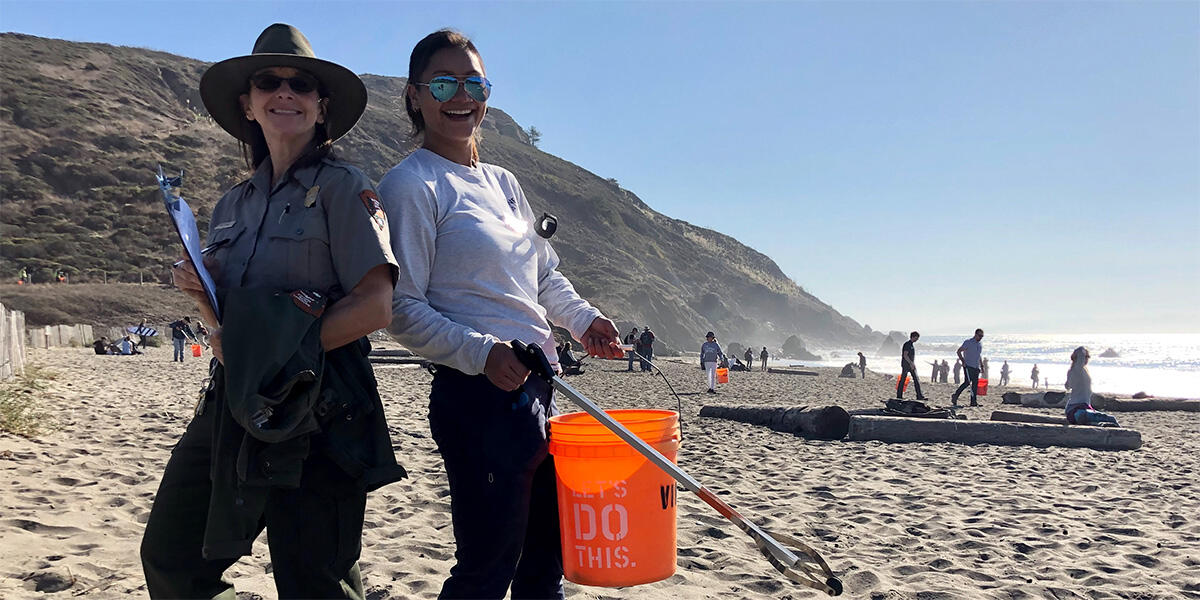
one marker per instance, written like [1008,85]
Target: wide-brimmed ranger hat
[281,45]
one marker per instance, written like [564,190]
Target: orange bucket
[616,510]
[981,387]
[905,388]
[722,375]
[196,350]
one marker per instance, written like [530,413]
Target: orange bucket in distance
[722,375]
[981,387]
[616,509]
[196,350]
[905,388]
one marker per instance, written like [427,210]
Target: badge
[374,208]
[311,197]
[310,302]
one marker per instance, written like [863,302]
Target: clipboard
[185,225]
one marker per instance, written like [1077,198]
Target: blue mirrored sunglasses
[444,87]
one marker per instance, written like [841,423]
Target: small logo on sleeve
[374,208]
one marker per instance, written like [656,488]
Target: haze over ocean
[1165,365]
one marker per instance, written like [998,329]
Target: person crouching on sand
[474,275]
[1079,409]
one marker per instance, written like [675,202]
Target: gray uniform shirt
[321,228]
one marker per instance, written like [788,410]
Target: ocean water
[1164,365]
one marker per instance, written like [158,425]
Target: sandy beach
[899,521]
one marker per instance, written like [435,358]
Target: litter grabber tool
[800,563]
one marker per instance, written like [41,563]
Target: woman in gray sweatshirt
[475,275]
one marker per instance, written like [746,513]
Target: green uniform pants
[314,532]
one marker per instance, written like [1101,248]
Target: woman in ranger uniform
[474,276]
[303,272]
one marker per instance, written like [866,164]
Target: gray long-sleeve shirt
[472,270]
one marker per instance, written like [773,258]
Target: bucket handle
[804,572]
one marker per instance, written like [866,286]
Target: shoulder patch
[374,208]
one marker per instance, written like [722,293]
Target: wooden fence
[12,343]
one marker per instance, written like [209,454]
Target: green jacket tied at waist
[281,397]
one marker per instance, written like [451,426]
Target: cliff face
[84,125]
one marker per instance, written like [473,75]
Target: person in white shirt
[475,275]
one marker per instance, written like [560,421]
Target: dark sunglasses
[301,84]
[444,87]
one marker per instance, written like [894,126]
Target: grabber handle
[534,359]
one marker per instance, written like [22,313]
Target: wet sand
[897,521]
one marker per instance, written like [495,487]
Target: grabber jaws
[803,565]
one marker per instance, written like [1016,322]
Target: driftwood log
[1147,404]
[901,429]
[399,352]
[1106,403]
[828,423]
[1024,417]
[397,360]
[791,372]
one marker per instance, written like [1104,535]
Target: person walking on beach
[181,331]
[296,460]
[647,339]
[983,368]
[143,332]
[1079,409]
[762,357]
[710,356]
[970,353]
[749,356]
[944,371]
[935,368]
[862,365]
[1034,376]
[632,340]
[908,366]
[1004,371]
[957,371]
[202,333]
[474,274]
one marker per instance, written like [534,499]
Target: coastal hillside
[83,127]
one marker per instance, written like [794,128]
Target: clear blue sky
[1020,166]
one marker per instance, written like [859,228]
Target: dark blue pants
[972,380]
[905,371]
[647,356]
[502,488]
[314,532]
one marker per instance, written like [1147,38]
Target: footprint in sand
[1146,561]
[61,532]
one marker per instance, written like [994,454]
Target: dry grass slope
[83,126]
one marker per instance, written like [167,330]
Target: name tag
[225,225]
